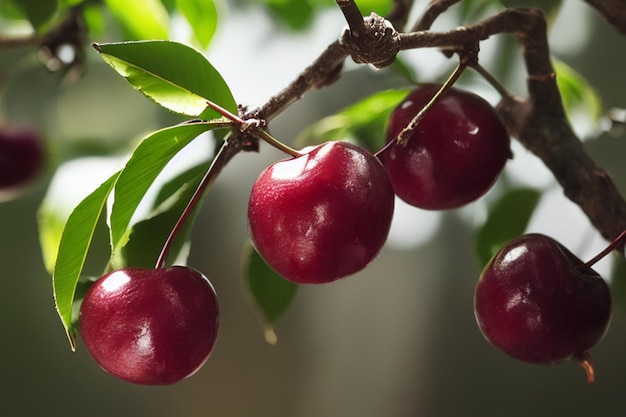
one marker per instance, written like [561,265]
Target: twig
[320,73]
[229,149]
[539,121]
[614,11]
[434,9]
[353,16]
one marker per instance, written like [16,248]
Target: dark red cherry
[21,156]
[150,326]
[539,303]
[454,155]
[323,215]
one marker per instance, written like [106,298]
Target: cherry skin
[323,215]
[21,156]
[539,303]
[150,326]
[453,156]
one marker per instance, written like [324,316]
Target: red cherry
[454,155]
[539,303]
[323,215]
[21,156]
[150,326]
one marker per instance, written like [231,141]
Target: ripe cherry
[323,215]
[150,326]
[453,156]
[539,303]
[21,156]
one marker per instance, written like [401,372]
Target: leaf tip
[270,335]
[96,46]
[72,339]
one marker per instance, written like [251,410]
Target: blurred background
[397,339]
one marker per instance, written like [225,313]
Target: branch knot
[378,46]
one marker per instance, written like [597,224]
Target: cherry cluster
[325,213]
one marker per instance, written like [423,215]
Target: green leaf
[508,218]
[202,17]
[73,249]
[50,232]
[269,293]
[577,94]
[380,7]
[148,236]
[38,12]
[142,19]
[363,122]
[171,74]
[143,167]
[295,14]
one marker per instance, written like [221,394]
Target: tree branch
[323,71]
[433,11]
[539,121]
[614,11]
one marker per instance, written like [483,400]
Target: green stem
[491,80]
[406,133]
[268,138]
[229,149]
[252,127]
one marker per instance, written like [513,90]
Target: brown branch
[353,16]
[434,9]
[323,71]
[614,11]
[13,42]
[541,125]
[400,13]
[539,121]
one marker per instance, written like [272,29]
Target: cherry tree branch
[434,9]
[538,121]
[614,11]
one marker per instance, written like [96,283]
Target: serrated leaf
[363,122]
[38,12]
[202,17]
[143,167]
[148,236]
[171,74]
[270,294]
[142,19]
[508,218]
[73,248]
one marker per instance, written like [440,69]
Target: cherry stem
[618,240]
[254,127]
[405,133]
[268,138]
[228,150]
[584,361]
[491,80]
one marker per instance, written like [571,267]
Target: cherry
[150,326]
[21,156]
[539,303]
[453,156]
[323,215]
